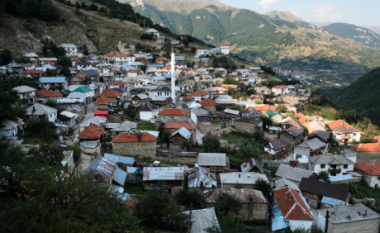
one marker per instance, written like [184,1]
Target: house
[43,96]
[173,126]
[367,151]
[88,92]
[102,103]
[280,183]
[101,171]
[350,154]
[102,113]
[334,164]
[33,73]
[187,99]
[111,94]
[53,83]
[290,209]
[125,127]
[179,138]
[38,110]
[251,165]
[201,178]
[207,104]
[370,171]
[149,111]
[10,128]
[95,120]
[307,149]
[92,74]
[203,52]
[70,49]
[294,174]
[93,133]
[173,112]
[162,92]
[123,162]
[216,162]
[321,135]
[153,32]
[275,116]
[352,218]
[249,125]
[344,132]
[293,134]
[264,108]
[172,177]
[26,92]
[135,144]
[225,49]
[199,95]
[246,179]
[253,202]
[318,193]
[280,90]
[202,219]
[277,148]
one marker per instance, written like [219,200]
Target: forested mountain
[283,15]
[362,96]
[251,35]
[356,33]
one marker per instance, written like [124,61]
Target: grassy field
[235,137]
[146,126]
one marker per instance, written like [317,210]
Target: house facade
[334,164]
[136,144]
[344,132]
[370,171]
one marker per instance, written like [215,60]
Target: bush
[227,204]
[188,198]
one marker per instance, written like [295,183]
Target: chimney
[327,221]
[239,175]
[274,182]
[139,136]
[129,133]
[248,175]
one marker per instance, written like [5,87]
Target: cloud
[326,11]
[265,4]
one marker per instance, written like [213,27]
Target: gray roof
[200,112]
[95,120]
[149,108]
[120,159]
[330,159]
[24,89]
[198,175]
[125,126]
[183,132]
[103,167]
[283,183]
[249,164]
[344,214]
[212,159]
[40,109]
[242,177]
[313,144]
[202,219]
[293,173]
[163,173]
[90,72]
[119,176]
[278,144]
[348,152]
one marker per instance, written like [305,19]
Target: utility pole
[189,225]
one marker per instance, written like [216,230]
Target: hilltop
[283,15]
[362,96]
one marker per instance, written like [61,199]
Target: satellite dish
[121,190]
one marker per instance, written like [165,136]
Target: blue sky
[359,12]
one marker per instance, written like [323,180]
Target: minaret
[173,74]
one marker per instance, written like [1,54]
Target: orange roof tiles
[367,147]
[118,84]
[376,139]
[371,168]
[338,123]
[224,44]
[188,98]
[117,54]
[111,93]
[135,71]
[180,124]
[92,131]
[163,59]
[103,100]
[173,112]
[207,102]
[123,137]
[48,94]
[141,59]
[265,107]
[199,93]
[279,86]
[26,72]
[291,204]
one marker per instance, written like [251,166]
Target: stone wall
[223,131]
[258,211]
[209,108]
[293,142]
[146,149]
[365,226]
[245,127]
[312,199]
[367,156]
[208,128]
[245,186]
[174,189]
[178,159]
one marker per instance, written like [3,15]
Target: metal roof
[201,176]
[249,164]
[293,173]
[90,73]
[24,89]
[103,168]
[163,173]
[212,159]
[278,221]
[183,132]
[69,114]
[179,58]
[242,177]
[51,80]
[125,126]
[40,109]
[82,89]
[202,219]
[119,176]
[120,159]
[332,201]
[354,213]
[283,183]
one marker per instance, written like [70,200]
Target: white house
[53,83]
[162,92]
[225,49]
[344,132]
[244,72]
[370,171]
[38,110]
[11,128]
[280,90]
[334,164]
[121,59]
[26,92]
[152,32]
[203,52]
[309,148]
[70,49]
[149,111]
[199,95]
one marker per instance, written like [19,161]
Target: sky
[359,12]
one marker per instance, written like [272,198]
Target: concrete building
[367,151]
[308,149]
[294,174]
[38,110]
[225,49]
[370,171]
[172,177]
[148,112]
[344,132]
[334,164]
[26,92]
[216,162]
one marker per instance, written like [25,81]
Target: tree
[165,137]
[267,122]
[143,68]
[324,175]
[226,224]
[193,49]
[64,61]
[77,152]
[258,102]
[159,211]
[211,143]
[65,71]
[6,57]
[218,74]
[264,187]
[281,108]
[227,204]
[45,50]
[85,50]
[187,197]
[249,150]
[186,42]
[146,36]
[77,4]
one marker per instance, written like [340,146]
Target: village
[146,120]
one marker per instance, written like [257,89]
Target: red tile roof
[103,100]
[163,59]
[291,204]
[376,139]
[141,59]
[224,44]
[371,168]
[48,94]
[135,71]
[111,93]
[180,124]
[26,72]
[367,147]
[265,107]
[173,112]
[117,54]
[342,126]
[207,102]
[199,93]
[187,98]
[123,137]
[279,86]
[118,84]
[92,131]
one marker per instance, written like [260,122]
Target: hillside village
[135,120]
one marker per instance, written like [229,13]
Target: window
[323,165]
[299,156]
[345,166]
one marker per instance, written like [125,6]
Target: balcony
[335,170]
